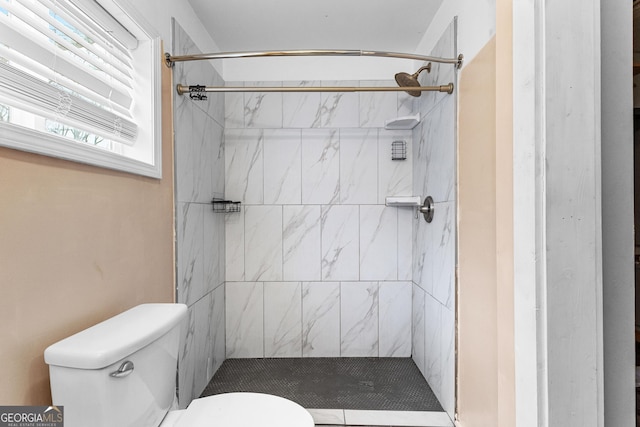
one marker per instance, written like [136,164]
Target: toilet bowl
[240,410]
[122,372]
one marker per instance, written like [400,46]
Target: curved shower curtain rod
[413,88]
[170,59]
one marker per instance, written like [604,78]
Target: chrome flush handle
[125,369]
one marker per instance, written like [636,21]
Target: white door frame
[570,161]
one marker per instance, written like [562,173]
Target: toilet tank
[121,372]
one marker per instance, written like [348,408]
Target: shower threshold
[339,391]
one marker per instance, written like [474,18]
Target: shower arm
[170,60]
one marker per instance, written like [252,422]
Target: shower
[308,255]
[411,80]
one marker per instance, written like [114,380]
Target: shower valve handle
[427,209]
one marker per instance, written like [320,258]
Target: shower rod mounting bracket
[167,60]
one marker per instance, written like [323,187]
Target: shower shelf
[225,206]
[403,201]
[402,123]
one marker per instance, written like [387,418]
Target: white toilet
[122,373]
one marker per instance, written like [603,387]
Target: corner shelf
[402,123]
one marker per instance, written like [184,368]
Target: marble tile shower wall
[317,265]
[199,172]
[434,244]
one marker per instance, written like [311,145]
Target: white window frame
[145,156]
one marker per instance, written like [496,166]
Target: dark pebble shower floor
[390,384]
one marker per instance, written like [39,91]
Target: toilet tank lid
[115,338]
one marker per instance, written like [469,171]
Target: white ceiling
[383,25]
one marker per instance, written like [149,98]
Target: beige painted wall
[504,214]
[78,244]
[485,250]
[477,298]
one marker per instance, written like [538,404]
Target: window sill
[25,139]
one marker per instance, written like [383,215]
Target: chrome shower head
[411,80]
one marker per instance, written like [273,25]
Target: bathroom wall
[317,266]
[476,26]
[78,244]
[160,15]
[434,244]
[478,392]
[199,166]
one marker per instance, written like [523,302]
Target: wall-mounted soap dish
[402,123]
[403,201]
[426,208]
[225,206]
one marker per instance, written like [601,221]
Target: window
[80,80]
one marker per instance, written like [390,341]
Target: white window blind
[61,64]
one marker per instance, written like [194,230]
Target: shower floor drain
[389,384]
